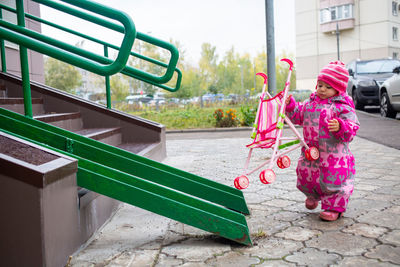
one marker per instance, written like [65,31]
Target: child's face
[325,91]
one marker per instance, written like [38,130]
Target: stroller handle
[264,76]
[289,62]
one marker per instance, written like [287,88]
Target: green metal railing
[139,181]
[2,49]
[105,169]
[79,57]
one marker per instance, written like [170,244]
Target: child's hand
[287,101]
[333,125]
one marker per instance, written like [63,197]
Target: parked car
[300,94]
[208,97]
[138,98]
[365,78]
[232,98]
[389,95]
[213,97]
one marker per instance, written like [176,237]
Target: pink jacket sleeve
[349,124]
[294,110]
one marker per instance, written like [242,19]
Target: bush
[229,119]
[249,115]
[218,115]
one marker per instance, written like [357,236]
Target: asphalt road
[373,127]
[377,129]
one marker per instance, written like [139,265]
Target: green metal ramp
[141,182]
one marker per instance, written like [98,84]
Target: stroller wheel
[279,163]
[283,162]
[241,182]
[312,153]
[267,176]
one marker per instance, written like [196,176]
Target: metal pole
[108,87]
[269,13]
[3,50]
[23,54]
[337,40]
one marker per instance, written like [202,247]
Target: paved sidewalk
[284,233]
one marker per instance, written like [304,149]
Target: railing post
[23,53]
[108,87]
[3,49]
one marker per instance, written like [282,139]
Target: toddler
[329,123]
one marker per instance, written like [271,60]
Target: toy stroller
[267,133]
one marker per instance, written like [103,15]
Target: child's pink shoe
[311,203]
[330,215]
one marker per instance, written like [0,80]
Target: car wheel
[386,108]
[356,101]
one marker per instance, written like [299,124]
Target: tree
[190,85]
[150,51]
[61,75]
[208,67]
[282,71]
[230,73]
[246,73]
[260,65]
[119,87]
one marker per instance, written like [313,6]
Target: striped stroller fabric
[267,120]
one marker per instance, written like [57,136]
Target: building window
[335,13]
[395,55]
[339,12]
[9,17]
[394,8]
[394,34]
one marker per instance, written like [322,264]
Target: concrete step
[3,92]
[16,104]
[143,149]
[111,136]
[68,121]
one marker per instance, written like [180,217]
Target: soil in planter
[24,152]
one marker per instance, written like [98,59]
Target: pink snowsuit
[330,178]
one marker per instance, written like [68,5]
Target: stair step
[111,136]
[18,100]
[3,89]
[16,104]
[136,148]
[68,121]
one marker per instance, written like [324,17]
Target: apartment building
[346,29]
[36,69]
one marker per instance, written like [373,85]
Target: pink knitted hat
[336,75]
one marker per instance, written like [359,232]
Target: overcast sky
[222,23]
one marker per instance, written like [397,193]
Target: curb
[201,130]
[377,116]
[211,130]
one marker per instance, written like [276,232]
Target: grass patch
[188,117]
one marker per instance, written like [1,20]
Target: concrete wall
[40,218]
[43,219]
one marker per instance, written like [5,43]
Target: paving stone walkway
[283,231]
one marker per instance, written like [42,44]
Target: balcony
[344,24]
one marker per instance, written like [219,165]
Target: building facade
[346,29]
[36,65]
